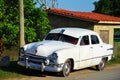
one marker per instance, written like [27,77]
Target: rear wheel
[101,65]
[66,68]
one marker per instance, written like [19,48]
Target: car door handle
[91,47]
[101,46]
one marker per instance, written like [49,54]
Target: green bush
[116,59]
[10,34]
[35,20]
[30,34]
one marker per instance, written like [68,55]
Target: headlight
[47,62]
[53,56]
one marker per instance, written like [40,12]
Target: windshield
[61,37]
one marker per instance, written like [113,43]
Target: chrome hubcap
[67,68]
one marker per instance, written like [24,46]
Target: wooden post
[21,23]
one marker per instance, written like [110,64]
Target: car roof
[75,32]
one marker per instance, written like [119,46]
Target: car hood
[45,48]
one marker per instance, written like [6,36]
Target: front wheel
[101,65]
[66,68]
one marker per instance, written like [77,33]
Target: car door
[85,53]
[96,49]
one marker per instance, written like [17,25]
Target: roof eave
[109,22]
[89,20]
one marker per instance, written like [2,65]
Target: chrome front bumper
[41,66]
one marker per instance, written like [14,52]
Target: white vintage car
[66,49]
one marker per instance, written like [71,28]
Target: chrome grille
[35,58]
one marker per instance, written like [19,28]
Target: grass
[15,71]
[116,59]
[11,71]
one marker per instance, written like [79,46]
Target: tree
[109,7]
[35,21]
[45,4]
[21,23]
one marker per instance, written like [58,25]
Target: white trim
[109,22]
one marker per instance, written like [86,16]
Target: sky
[76,5]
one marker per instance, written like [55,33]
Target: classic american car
[66,49]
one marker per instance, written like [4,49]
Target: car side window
[94,39]
[84,40]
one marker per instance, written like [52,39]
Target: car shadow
[15,68]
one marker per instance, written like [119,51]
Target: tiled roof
[84,15]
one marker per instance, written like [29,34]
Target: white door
[96,50]
[85,52]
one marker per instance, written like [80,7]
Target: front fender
[69,53]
